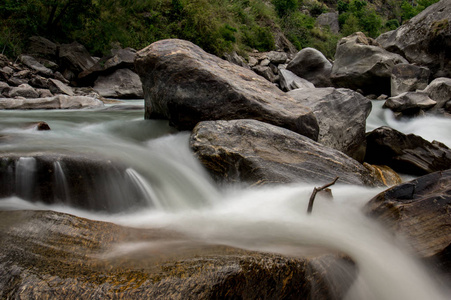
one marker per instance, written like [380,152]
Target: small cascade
[25,173]
[61,187]
[144,188]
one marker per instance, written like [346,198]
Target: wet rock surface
[408,154]
[258,153]
[419,210]
[72,258]
[186,85]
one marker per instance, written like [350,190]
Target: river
[179,195]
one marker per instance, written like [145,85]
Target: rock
[266,72]
[236,59]
[4,87]
[76,258]
[56,102]
[35,65]
[408,154]
[361,64]
[120,59]
[408,78]
[60,77]
[328,21]
[312,65]
[425,40]
[277,57]
[419,212]
[385,174]
[289,81]
[122,84]
[15,81]
[265,62]
[252,61]
[39,82]
[439,90]
[57,87]
[410,103]
[282,43]
[186,85]
[44,93]
[23,90]
[75,58]
[8,71]
[3,61]
[40,126]
[258,153]
[42,47]
[341,115]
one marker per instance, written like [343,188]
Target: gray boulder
[361,64]
[341,115]
[57,87]
[313,66]
[75,57]
[33,64]
[407,154]
[277,57]
[410,103]
[41,47]
[119,59]
[56,102]
[258,153]
[425,40]
[39,82]
[289,81]
[23,90]
[418,211]
[408,78]
[122,84]
[236,59]
[439,90]
[4,87]
[266,72]
[186,85]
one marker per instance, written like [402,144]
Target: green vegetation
[217,26]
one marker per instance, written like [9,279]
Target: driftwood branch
[315,191]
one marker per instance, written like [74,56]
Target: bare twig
[315,191]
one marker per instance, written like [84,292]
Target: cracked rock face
[186,85]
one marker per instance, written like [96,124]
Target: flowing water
[178,194]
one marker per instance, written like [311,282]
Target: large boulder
[408,78]
[58,87]
[361,64]
[408,154]
[341,115]
[119,59]
[56,102]
[122,84]
[313,66]
[186,85]
[54,255]
[419,212]
[258,153]
[23,90]
[439,90]
[425,40]
[41,47]
[75,58]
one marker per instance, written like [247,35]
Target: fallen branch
[315,191]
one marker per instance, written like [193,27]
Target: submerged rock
[258,153]
[419,211]
[186,85]
[73,258]
[409,154]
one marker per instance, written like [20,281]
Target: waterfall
[25,177]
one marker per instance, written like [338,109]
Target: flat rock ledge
[258,153]
[56,102]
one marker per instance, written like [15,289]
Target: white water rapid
[161,170]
